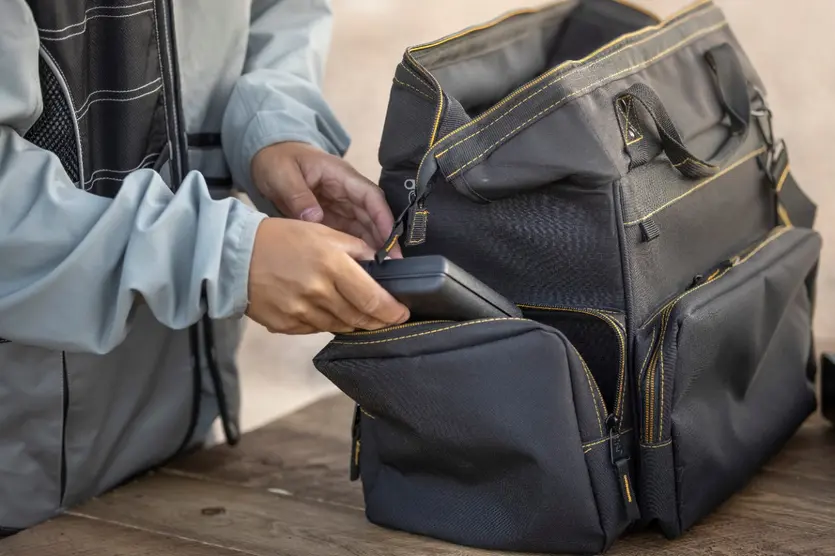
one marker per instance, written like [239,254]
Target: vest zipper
[65,394]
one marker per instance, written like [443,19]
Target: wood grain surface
[285,491]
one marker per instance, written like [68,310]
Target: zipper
[618,455]
[619,332]
[395,328]
[65,394]
[653,381]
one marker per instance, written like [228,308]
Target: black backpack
[619,180]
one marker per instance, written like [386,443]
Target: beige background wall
[791,42]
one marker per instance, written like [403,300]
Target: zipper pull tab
[620,461]
[356,433]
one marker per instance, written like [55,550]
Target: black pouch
[723,377]
[489,433]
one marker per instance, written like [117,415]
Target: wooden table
[285,491]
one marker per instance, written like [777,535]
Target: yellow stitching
[390,245]
[367,414]
[416,76]
[482,27]
[621,340]
[579,67]
[628,491]
[774,235]
[588,446]
[694,161]
[427,333]
[654,446]
[357,453]
[783,214]
[782,179]
[591,390]
[667,311]
[579,92]
[650,403]
[393,328]
[651,345]
[698,186]
[415,89]
[628,123]
[425,213]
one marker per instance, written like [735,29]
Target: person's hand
[309,184]
[304,278]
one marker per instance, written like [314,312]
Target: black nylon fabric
[54,129]
[664,310]
[461,445]
[117,105]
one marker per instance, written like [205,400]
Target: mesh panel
[54,130]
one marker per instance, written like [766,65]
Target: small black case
[434,288]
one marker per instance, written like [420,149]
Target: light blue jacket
[96,294]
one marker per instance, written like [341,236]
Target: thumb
[291,193]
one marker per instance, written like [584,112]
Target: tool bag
[618,179]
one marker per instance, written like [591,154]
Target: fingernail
[312,214]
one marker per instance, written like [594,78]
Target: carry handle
[733,95]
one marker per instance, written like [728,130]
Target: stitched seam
[584,60]
[83,106]
[142,163]
[589,446]
[698,186]
[367,414]
[429,332]
[65,89]
[782,179]
[84,30]
[482,27]
[415,89]
[591,390]
[654,446]
[393,328]
[783,214]
[627,123]
[569,73]
[111,99]
[695,161]
[68,27]
[416,76]
[649,352]
[584,90]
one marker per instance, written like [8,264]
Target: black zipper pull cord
[620,461]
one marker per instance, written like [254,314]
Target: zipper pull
[620,461]
[356,433]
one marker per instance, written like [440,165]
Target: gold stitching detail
[357,453]
[393,328]
[694,161]
[578,65]
[413,74]
[589,446]
[429,332]
[649,352]
[654,446]
[367,414]
[667,310]
[390,245]
[698,186]
[783,177]
[591,390]
[476,28]
[628,490]
[579,92]
[783,214]
[415,89]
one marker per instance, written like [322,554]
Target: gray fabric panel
[128,410]
[31,421]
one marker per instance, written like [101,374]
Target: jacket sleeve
[73,265]
[278,97]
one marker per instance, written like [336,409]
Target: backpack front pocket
[724,377]
[490,433]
